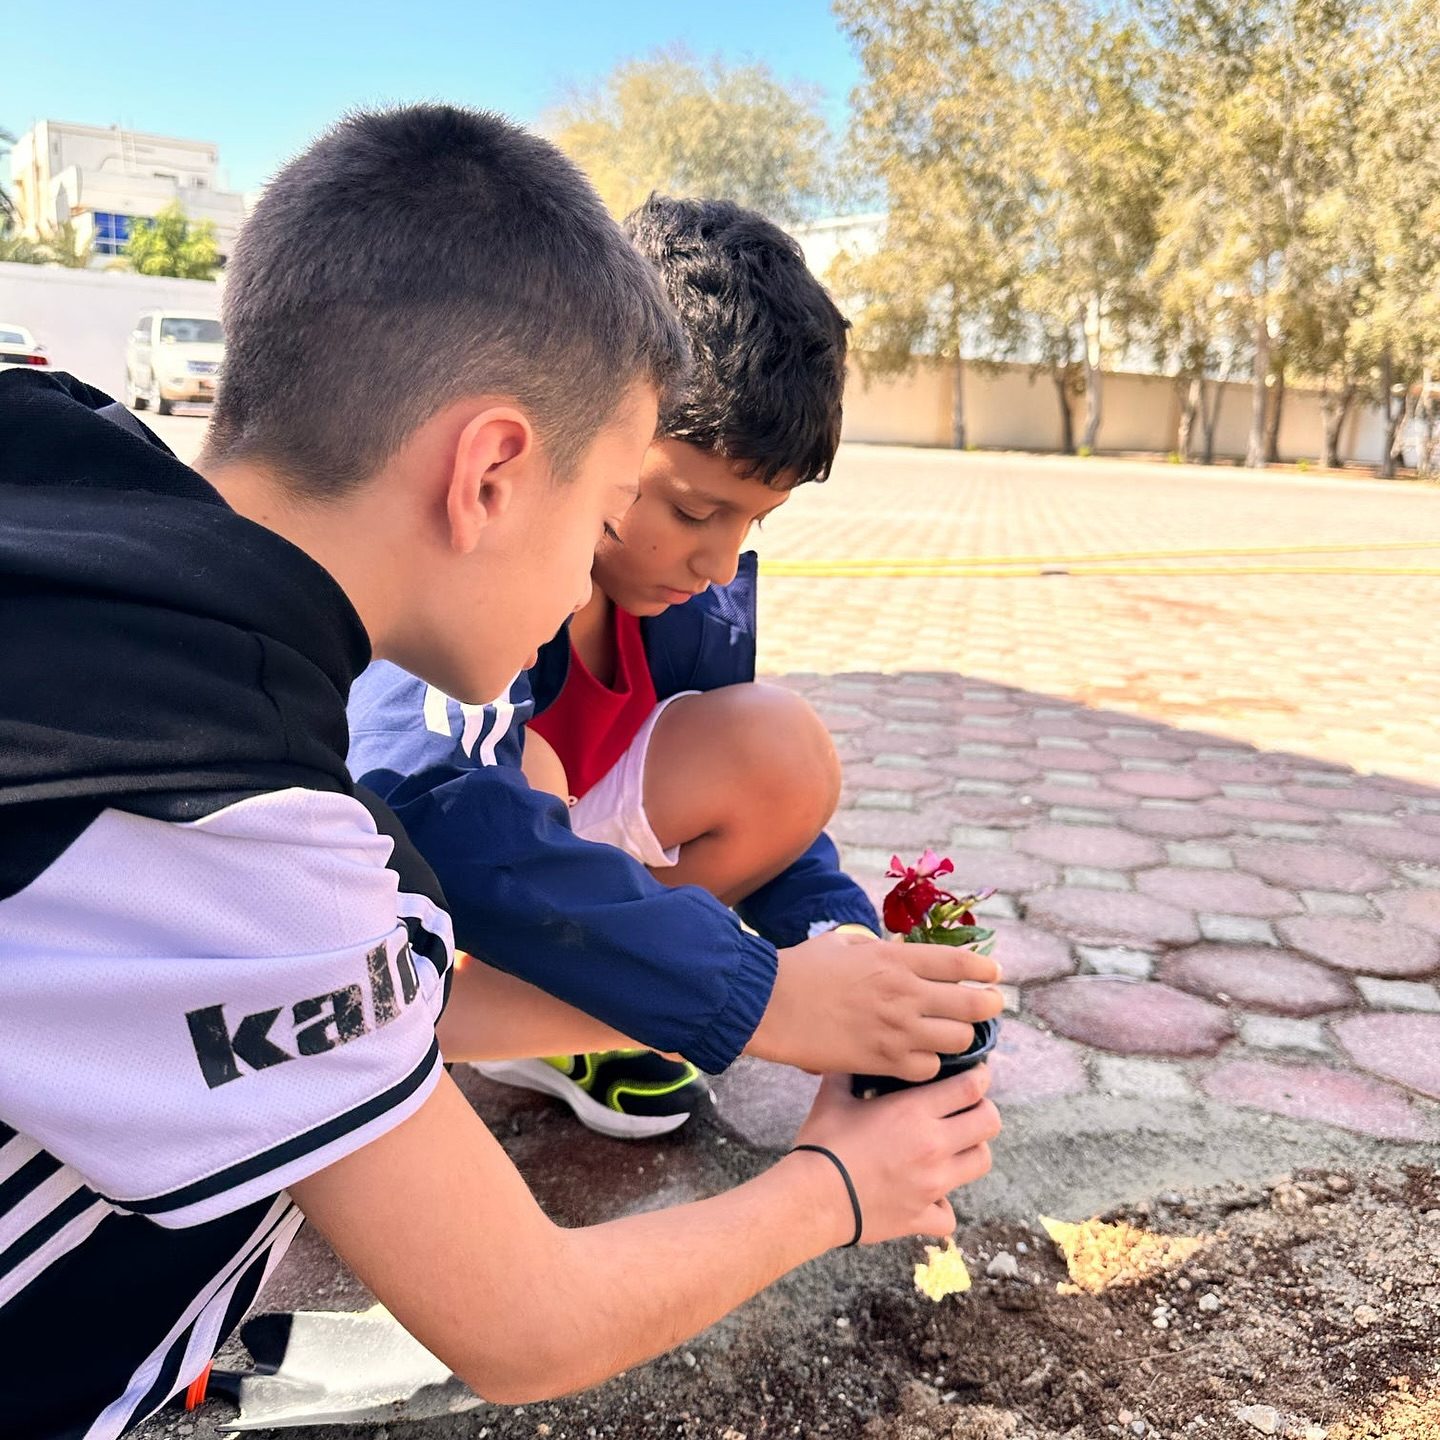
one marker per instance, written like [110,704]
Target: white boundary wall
[1006,408]
[83,317]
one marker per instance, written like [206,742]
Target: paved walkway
[1180,916]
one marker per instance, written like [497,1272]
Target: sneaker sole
[547,1080]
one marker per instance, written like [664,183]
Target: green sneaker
[626,1094]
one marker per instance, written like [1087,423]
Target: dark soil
[1328,1315]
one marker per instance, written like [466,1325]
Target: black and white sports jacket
[220,963]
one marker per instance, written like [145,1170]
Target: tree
[670,123]
[1398,196]
[170,245]
[1091,150]
[1264,93]
[57,246]
[933,124]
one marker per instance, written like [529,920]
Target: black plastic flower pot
[987,1033]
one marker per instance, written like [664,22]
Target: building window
[111,232]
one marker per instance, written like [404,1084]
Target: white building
[105,179]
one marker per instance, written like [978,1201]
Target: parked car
[19,348]
[172,356]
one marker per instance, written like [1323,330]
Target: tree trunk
[1255,450]
[1061,376]
[1394,414]
[1094,404]
[1210,411]
[1272,417]
[1334,411]
[1190,410]
[958,437]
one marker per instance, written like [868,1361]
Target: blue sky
[260,77]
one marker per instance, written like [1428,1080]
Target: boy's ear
[489,455]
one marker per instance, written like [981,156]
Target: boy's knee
[789,755]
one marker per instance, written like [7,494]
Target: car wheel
[158,403]
[133,398]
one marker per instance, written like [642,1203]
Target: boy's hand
[849,1002]
[905,1152]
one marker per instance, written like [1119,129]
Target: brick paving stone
[1343,797]
[1318,1093]
[1276,1032]
[1326,902]
[889,777]
[764,1103]
[1259,978]
[1151,1079]
[1236,929]
[1116,960]
[1272,810]
[1417,908]
[1070,762]
[1425,876]
[901,830]
[1225,891]
[1190,822]
[1000,811]
[1307,866]
[1398,994]
[1027,954]
[1258,771]
[1402,1048]
[1067,728]
[1200,855]
[1112,849]
[1078,815]
[989,767]
[1107,917]
[1144,747]
[931,743]
[1161,785]
[1131,1018]
[1088,875]
[881,800]
[1030,1065]
[989,869]
[1366,947]
[1400,843]
[1058,792]
[1278,830]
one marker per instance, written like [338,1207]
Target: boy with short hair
[644,708]
[225,976]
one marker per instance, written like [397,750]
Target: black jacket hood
[156,648]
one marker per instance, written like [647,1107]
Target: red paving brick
[1094,845]
[1418,908]
[1226,892]
[1131,1018]
[1027,954]
[1305,866]
[1314,1092]
[1402,1048]
[1111,917]
[1030,1065]
[1366,947]
[1258,977]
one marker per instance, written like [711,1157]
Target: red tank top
[591,725]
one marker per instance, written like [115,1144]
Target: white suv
[172,356]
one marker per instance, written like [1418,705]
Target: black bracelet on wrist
[839,1164]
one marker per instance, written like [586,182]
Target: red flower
[910,902]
